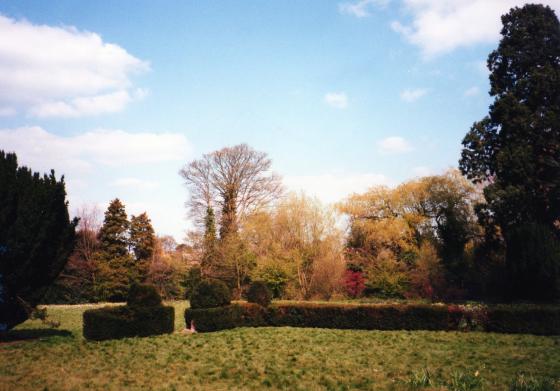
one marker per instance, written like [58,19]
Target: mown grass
[273,358]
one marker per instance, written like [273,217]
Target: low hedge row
[505,319]
[124,321]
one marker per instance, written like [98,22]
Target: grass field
[36,358]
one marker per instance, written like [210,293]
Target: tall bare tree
[234,181]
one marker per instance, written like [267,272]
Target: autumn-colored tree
[77,281]
[389,226]
[167,269]
[299,240]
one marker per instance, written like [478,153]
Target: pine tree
[115,264]
[142,242]
[36,237]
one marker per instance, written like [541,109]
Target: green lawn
[39,358]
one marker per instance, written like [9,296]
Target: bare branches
[234,181]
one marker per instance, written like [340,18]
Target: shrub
[354,283]
[209,294]
[379,317]
[259,293]
[124,321]
[143,295]
[143,315]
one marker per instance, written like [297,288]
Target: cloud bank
[50,71]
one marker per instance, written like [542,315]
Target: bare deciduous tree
[234,180]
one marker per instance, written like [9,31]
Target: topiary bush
[210,293]
[144,315]
[143,295]
[259,293]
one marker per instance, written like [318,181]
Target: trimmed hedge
[122,322]
[506,319]
[143,315]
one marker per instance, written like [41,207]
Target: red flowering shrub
[354,283]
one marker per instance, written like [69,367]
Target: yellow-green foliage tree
[298,248]
[391,229]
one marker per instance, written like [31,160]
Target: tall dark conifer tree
[36,237]
[516,148]
[114,260]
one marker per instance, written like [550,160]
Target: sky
[342,95]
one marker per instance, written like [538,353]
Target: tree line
[490,230]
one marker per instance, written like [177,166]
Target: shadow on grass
[27,334]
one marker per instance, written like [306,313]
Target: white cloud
[135,183]
[81,153]
[338,100]
[62,71]
[412,95]
[472,91]
[440,26]
[360,8]
[394,145]
[331,188]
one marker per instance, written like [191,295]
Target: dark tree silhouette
[36,237]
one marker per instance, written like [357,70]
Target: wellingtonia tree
[36,237]
[114,262]
[516,148]
[142,241]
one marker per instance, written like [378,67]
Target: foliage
[143,295]
[210,293]
[297,247]
[167,269]
[36,237]
[274,274]
[514,150]
[77,281]
[123,321]
[194,277]
[354,283]
[505,319]
[142,241]
[142,316]
[389,227]
[259,293]
[533,262]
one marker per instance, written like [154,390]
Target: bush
[209,294]
[510,319]
[259,293]
[124,321]
[143,295]
[143,315]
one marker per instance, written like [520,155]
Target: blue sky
[342,95]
